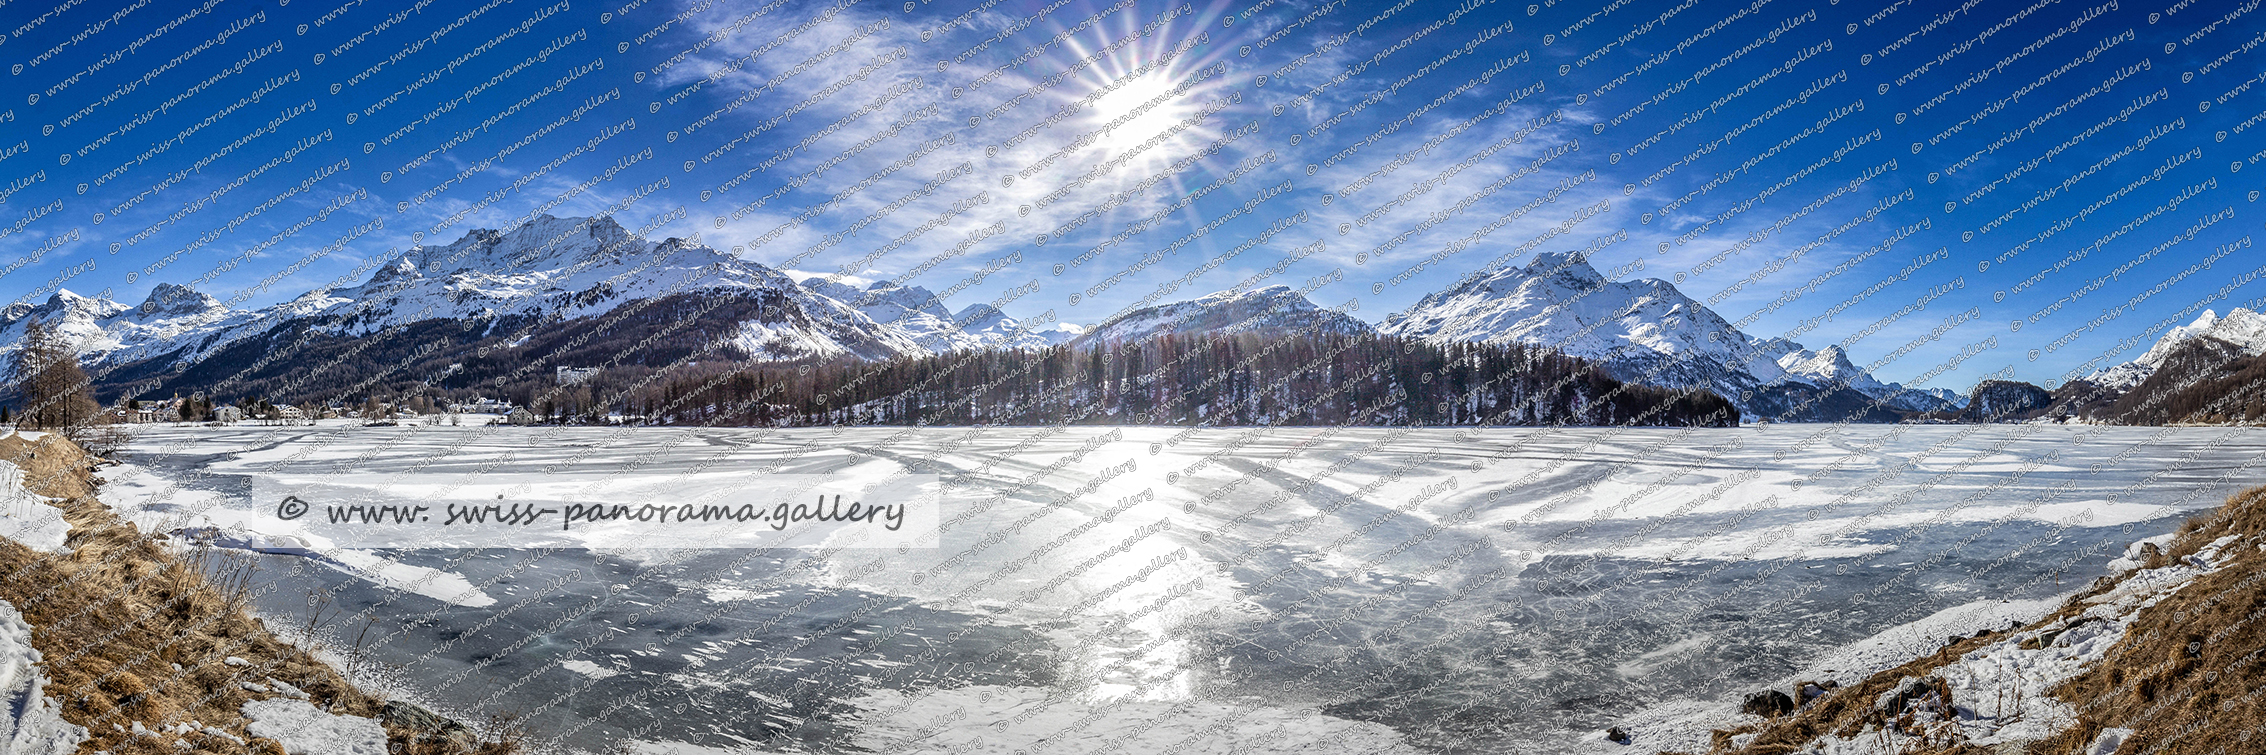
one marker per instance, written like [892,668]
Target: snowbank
[303,729]
[25,517]
[31,723]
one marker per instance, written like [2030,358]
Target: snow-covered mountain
[1645,331]
[565,268]
[2241,328]
[920,315]
[1274,309]
[1830,367]
[173,318]
[994,328]
[546,274]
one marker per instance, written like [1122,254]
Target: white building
[481,406]
[227,414]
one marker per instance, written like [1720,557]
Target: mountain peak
[1571,266]
[1273,308]
[1826,365]
[169,299]
[979,316]
[66,302]
[546,242]
[1288,297]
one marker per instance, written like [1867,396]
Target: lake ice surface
[1221,590]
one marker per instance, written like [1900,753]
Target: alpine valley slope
[2210,371]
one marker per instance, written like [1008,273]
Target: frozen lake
[1246,590]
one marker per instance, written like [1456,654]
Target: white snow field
[1248,590]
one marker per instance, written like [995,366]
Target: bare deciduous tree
[54,393]
[49,382]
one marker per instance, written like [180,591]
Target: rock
[1917,703]
[1617,736]
[1809,692]
[426,725]
[2005,401]
[1770,703]
[410,716]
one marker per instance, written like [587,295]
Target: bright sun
[1131,97]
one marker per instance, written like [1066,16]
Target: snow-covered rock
[303,729]
[2108,742]
[31,722]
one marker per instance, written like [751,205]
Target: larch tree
[49,382]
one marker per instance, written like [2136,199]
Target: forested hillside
[1239,379]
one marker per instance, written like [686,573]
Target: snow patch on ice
[589,669]
[444,586]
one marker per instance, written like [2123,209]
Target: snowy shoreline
[1990,674]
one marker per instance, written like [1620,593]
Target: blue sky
[2070,165]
